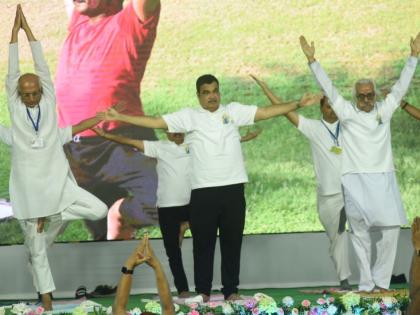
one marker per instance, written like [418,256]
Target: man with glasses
[371,193]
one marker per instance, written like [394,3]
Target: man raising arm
[372,197]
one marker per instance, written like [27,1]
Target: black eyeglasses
[369,96]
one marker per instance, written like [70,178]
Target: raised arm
[337,101]
[161,281]
[292,116]
[5,135]
[139,144]
[85,124]
[399,89]
[143,121]
[69,5]
[283,108]
[410,109]
[136,258]
[145,8]
[250,135]
[41,66]
[13,72]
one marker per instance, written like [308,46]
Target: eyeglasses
[369,96]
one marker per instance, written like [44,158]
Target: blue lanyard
[35,125]
[334,136]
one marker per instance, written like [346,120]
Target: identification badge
[336,150]
[37,143]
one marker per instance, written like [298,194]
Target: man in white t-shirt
[217,175]
[173,194]
[371,193]
[325,139]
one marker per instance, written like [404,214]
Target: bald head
[30,89]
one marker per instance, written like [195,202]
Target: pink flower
[255,311]
[193,306]
[331,299]
[321,301]
[193,312]
[213,304]
[306,303]
[39,310]
[281,312]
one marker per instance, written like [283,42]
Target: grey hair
[365,81]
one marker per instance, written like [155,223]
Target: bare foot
[46,301]
[205,297]
[380,290]
[234,297]
[185,294]
[345,285]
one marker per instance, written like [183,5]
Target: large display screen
[230,39]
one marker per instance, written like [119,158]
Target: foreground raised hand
[308,50]
[415,45]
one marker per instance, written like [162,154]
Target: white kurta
[41,183]
[5,135]
[366,136]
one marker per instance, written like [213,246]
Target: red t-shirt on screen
[102,64]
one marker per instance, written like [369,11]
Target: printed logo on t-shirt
[226,119]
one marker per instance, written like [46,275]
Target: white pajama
[332,217]
[87,206]
[373,202]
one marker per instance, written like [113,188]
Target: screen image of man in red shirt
[102,62]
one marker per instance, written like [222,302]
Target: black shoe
[101,291]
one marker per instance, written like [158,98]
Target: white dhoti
[332,217]
[373,202]
[86,206]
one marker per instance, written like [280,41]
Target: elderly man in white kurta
[325,138]
[42,187]
[370,187]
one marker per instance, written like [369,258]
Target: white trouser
[330,210]
[386,250]
[86,206]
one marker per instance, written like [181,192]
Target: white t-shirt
[327,164]
[366,136]
[173,169]
[214,138]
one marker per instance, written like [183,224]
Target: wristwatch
[126,271]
